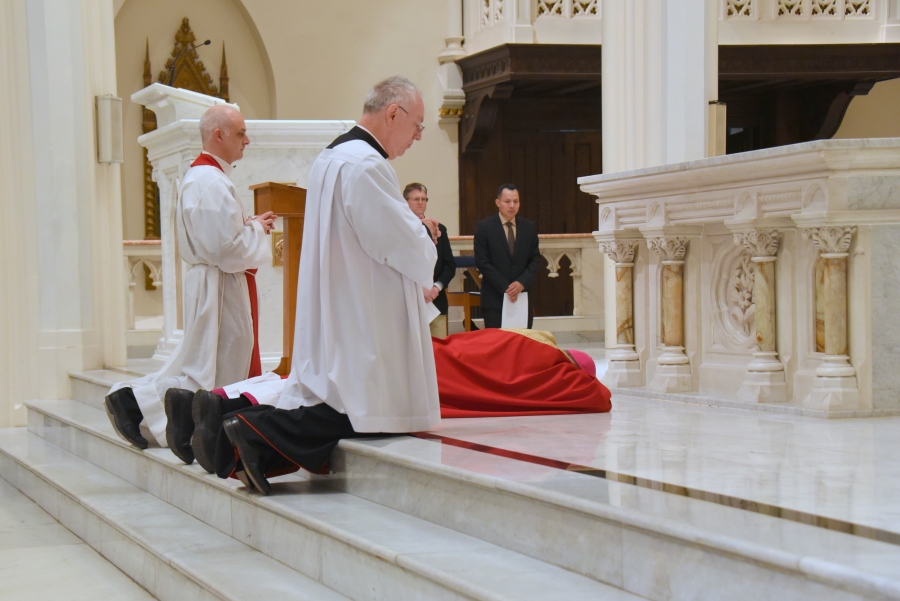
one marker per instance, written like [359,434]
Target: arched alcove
[146,28]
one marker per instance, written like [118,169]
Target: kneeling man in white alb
[222,248]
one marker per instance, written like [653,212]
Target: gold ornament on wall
[190,74]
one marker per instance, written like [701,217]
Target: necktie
[510,237]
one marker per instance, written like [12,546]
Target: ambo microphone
[180,54]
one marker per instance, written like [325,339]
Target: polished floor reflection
[839,474]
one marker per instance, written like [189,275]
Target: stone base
[833,394]
[622,374]
[672,378]
[763,387]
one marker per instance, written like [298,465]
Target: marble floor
[840,475]
[41,560]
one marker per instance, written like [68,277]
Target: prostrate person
[362,360]
[416,196]
[487,373]
[494,373]
[507,255]
[223,247]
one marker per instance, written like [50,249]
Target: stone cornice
[778,185]
[808,159]
[185,135]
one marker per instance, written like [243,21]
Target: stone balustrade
[763,279]
[143,261]
[586,265]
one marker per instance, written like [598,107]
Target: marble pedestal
[624,370]
[836,387]
[673,371]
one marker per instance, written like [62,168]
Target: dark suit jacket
[498,268]
[444,269]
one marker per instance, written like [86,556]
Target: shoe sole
[199,411]
[235,436]
[115,425]
[242,476]
[170,438]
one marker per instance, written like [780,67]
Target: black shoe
[206,409]
[125,416]
[179,423]
[249,457]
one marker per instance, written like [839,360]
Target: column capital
[670,248]
[760,243]
[620,250]
[830,240]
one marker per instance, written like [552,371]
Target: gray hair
[393,90]
[215,117]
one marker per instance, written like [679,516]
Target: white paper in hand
[431,312]
[515,314]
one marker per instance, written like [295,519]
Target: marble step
[42,559]
[318,530]
[653,543]
[169,553]
[90,387]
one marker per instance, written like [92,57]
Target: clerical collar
[226,167]
[358,132]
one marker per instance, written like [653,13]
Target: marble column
[836,387]
[61,287]
[765,382]
[659,72]
[673,372]
[449,74]
[624,364]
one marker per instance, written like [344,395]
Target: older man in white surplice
[363,360]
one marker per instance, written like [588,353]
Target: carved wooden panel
[786,94]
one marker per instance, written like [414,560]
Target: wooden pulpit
[289,203]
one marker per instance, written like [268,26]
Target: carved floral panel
[790,8]
[731,296]
[740,9]
[568,9]
[585,8]
[858,8]
[825,8]
[551,8]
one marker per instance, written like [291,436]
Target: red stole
[250,274]
[494,373]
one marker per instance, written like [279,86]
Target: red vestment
[250,274]
[496,373]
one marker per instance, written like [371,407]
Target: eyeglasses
[419,125]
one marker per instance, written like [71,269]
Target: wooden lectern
[289,203]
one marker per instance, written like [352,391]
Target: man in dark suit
[417,196]
[507,255]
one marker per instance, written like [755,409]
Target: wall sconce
[109,129]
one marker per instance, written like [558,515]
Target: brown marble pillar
[836,387]
[765,382]
[673,372]
[624,363]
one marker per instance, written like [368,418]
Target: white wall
[876,115]
[156,21]
[63,304]
[324,56]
